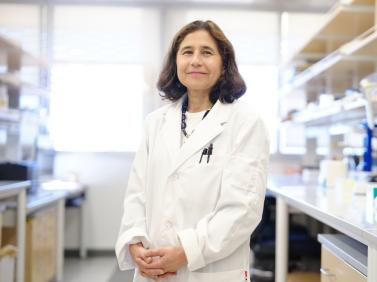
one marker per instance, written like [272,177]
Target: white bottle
[3,97]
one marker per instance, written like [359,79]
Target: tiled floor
[94,269]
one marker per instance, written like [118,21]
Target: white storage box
[7,263]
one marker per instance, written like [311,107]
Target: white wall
[106,175]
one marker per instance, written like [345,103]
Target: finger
[153,265]
[167,274]
[154,253]
[155,278]
[148,259]
[143,274]
[144,258]
[142,264]
[153,272]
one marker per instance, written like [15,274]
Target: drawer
[334,269]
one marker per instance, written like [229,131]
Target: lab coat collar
[205,131]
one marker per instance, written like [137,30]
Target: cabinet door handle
[326,272]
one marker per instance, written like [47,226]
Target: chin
[196,86]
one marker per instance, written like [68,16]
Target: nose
[196,59]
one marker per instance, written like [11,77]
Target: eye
[187,52]
[207,53]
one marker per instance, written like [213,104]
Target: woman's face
[199,63]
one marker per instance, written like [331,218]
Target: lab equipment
[369,88]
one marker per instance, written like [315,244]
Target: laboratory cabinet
[40,245]
[336,270]
[16,193]
[342,258]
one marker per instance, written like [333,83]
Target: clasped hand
[158,263]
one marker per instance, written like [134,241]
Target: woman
[197,185]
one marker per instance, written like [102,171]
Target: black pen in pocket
[209,153]
[204,152]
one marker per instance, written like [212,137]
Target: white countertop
[56,190]
[42,199]
[52,191]
[9,188]
[346,214]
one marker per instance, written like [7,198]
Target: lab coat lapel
[172,130]
[205,131]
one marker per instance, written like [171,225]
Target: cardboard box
[41,243]
[303,277]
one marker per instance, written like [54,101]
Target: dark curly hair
[229,87]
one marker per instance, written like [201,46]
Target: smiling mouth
[196,73]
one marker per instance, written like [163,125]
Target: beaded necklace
[183,121]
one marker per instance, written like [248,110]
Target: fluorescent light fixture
[224,1]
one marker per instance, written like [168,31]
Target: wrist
[182,255]
[134,246]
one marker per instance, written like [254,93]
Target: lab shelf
[357,16]
[15,121]
[340,111]
[13,55]
[10,115]
[27,88]
[357,58]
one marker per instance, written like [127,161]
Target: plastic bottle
[3,97]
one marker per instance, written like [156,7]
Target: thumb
[147,259]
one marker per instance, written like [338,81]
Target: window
[262,95]
[96,107]
[103,68]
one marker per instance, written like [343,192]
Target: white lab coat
[210,209]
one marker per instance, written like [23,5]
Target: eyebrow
[204,47]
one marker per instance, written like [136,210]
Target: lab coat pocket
[199,161]
[200,183]
[237,275]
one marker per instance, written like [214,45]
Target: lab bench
[53,194]
[12,189]
[347,216]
